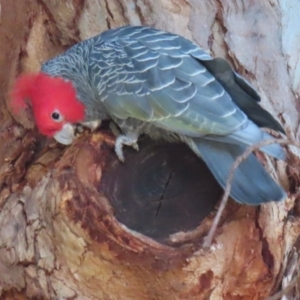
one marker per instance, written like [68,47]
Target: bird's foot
[128,140]
[92,125]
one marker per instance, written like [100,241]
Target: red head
[53,101]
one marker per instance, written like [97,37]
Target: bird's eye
[56,116]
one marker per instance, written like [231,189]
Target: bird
[157,83]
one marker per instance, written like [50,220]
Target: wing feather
[158,77]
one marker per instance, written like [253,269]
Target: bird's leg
[128,139]
[127,132]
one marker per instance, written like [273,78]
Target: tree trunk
[77,224]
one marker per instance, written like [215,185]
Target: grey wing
[157,77]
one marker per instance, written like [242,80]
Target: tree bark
[77,224]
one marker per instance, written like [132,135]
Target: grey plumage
[158,83]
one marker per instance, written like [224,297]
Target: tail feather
[242,93]
[250,135]
[251,183]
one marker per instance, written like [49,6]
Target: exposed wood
[63,230]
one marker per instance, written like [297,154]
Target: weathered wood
[63,228]
[162,189]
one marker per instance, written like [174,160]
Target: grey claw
[121,158]
[135,146]
[128,140]
[119,151]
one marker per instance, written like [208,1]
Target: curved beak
[66,135]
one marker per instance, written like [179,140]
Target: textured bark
[59,235]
